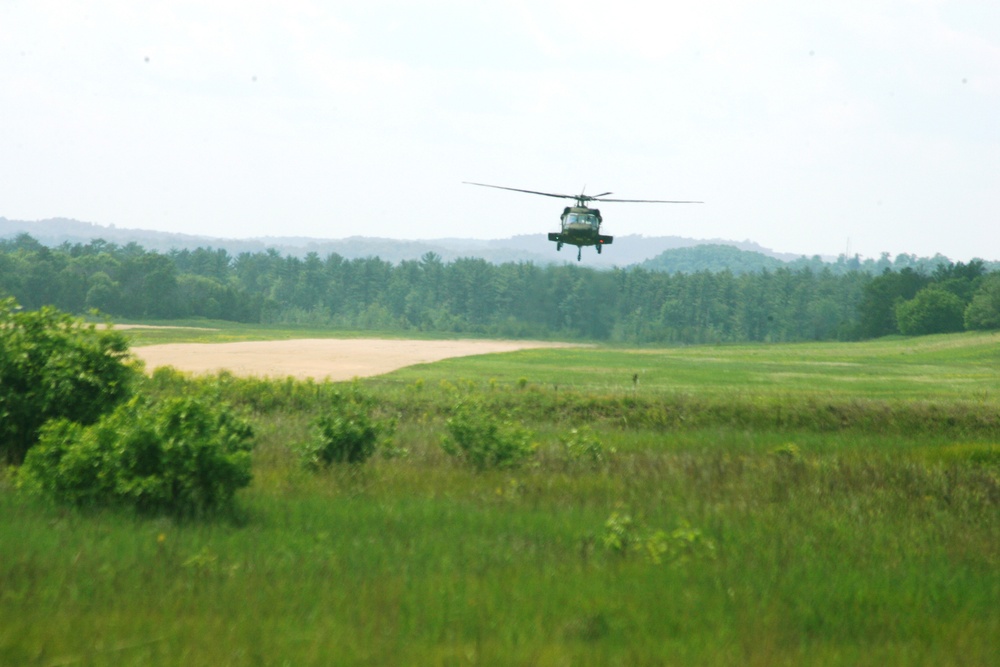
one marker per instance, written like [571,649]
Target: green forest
[804,301]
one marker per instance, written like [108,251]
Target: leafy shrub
[348,437]
[181,456]
[681,545]
[53,365]
[624,535]
[347,433]
[582,446]
[478,438]
[621,533]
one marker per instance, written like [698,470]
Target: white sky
[804,126]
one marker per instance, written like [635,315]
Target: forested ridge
[808,301]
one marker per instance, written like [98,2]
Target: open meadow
[822,504]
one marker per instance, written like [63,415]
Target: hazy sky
[809,127]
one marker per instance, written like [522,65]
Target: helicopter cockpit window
[582,218]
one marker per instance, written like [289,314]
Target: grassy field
[828,504]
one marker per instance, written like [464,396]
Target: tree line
[514,299]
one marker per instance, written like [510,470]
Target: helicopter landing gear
[598,248]
[559,246]
[579,252]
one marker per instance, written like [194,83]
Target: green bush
[581,445]
[181,456]
[53,365]
[623,535]
[346,433]
[478,438]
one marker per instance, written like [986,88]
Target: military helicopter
[581,225]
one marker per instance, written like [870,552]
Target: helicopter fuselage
[581,226]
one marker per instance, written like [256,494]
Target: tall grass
[870,537]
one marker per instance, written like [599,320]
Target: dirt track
[334,359]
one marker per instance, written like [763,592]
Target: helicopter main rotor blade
[582,197]
[532,192]
[651,201]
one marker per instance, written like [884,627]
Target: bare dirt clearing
[320,358]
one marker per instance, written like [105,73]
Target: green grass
[863,541]
[960,366]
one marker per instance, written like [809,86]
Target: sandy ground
[333,359]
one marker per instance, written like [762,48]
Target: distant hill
[712,257]
[626,250]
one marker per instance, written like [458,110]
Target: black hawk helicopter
[581,225]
